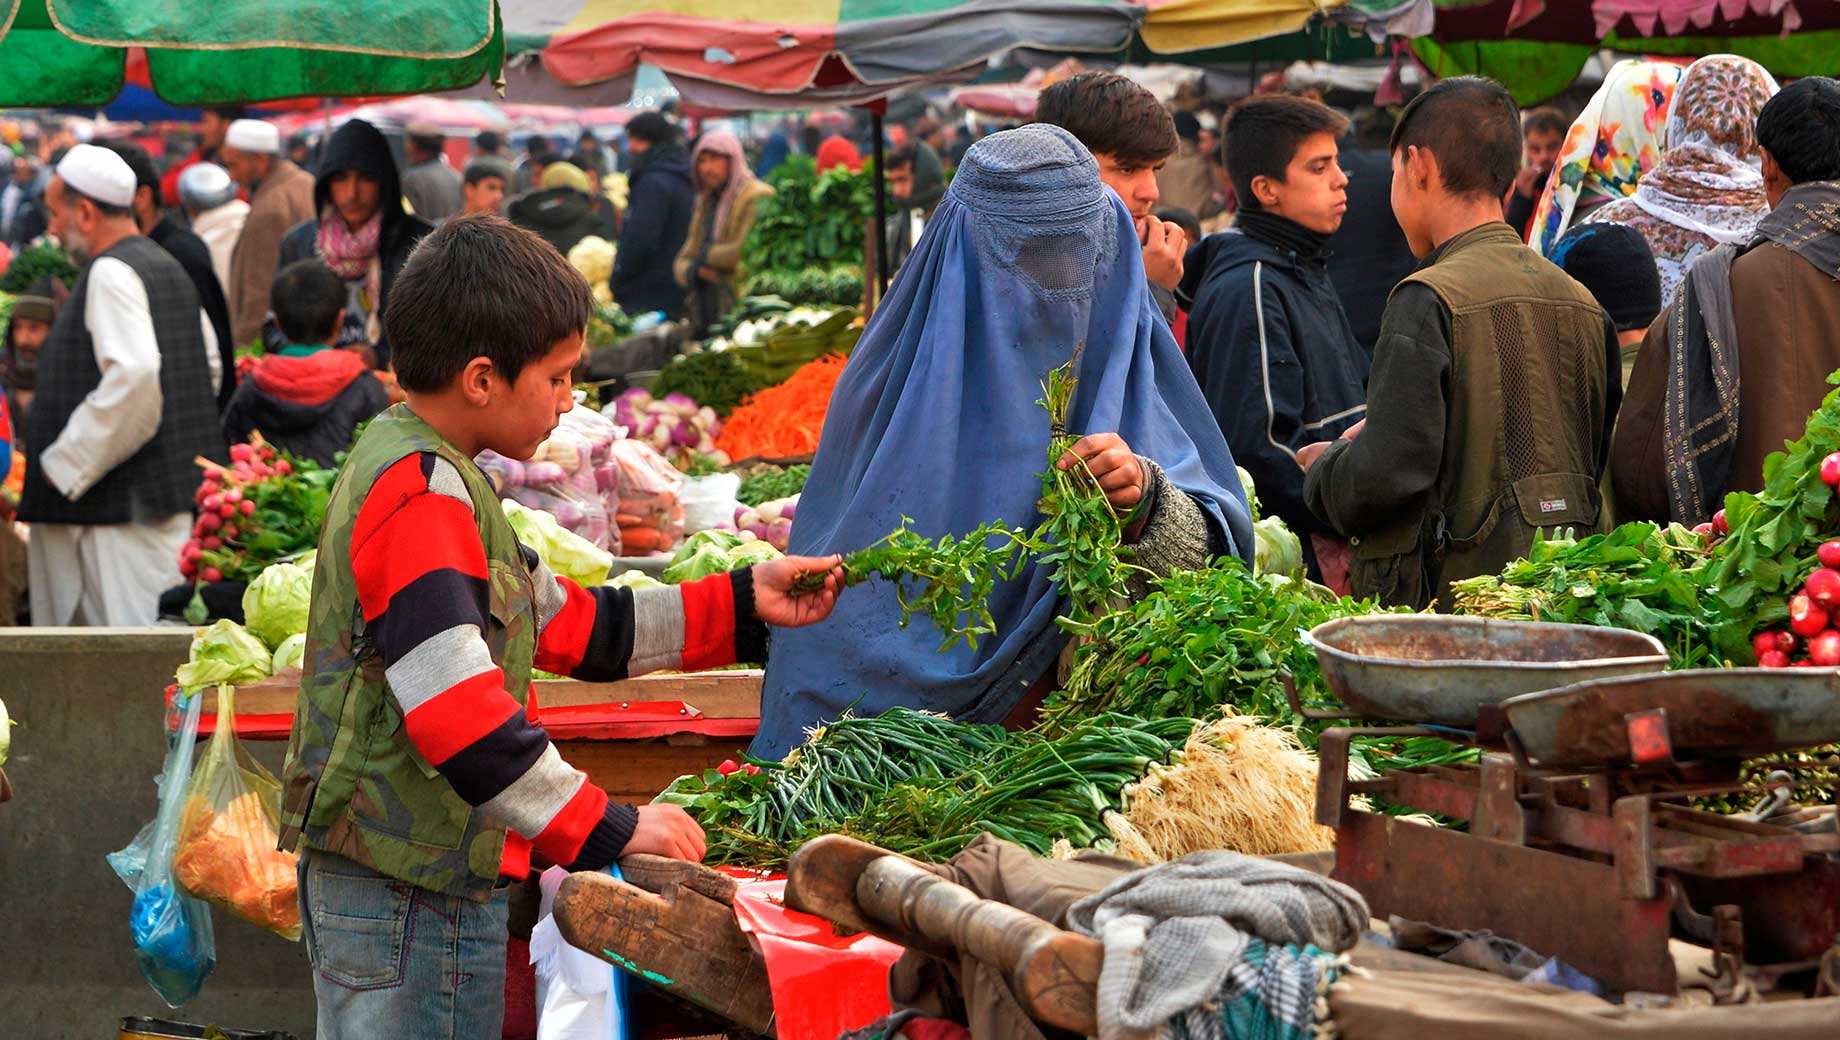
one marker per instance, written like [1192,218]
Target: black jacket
[1272,350]
[661,198]
[306,405]
[357,145]
[1368,254]
[560,216]
[195,257]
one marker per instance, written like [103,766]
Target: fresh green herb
[772,483]
[36,263]
[1080,540]
[713,378]
[812,219]
[948,580]
[1639,577]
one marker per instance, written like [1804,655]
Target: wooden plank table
[631,737]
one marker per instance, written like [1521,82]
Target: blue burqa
[935,419]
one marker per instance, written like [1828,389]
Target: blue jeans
[395,961]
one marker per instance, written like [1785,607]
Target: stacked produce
[563,551]
[772,348]
[766,482]
[35,263]
[713,378]
[643,489]
[224,653]
[771,522]
[813,222]
[1811,639]
[716,552]
[565,476]
[264,507]
[672,423]
[783,421]
[607,325]
[593,257]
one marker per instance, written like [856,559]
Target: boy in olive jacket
[417,782]
[1495,380]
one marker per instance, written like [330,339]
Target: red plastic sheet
[823,984]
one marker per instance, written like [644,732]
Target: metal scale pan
[1712,713]
[1442,670]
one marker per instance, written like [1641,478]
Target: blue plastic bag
[173,941]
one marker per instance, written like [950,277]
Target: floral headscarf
[1615,140]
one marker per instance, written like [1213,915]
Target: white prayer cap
[253,135]
[98,173]
[205,186]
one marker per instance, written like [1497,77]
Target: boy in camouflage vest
[417,783]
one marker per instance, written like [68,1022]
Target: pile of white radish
[770,521]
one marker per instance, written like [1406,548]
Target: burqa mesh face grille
[1043,172]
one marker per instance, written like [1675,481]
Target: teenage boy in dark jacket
[358,186]
[310,396]
[661,197]
[1267,338]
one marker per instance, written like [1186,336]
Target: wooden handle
[656,874]
[682,941]
[1053,973]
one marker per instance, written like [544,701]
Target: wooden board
[635,771]
[683,942]
[718,695]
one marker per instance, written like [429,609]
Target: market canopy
[1536,48]
[812,52]
[74,52]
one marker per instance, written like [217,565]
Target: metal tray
[1710,713]
[1440,669]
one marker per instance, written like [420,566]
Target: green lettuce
[226,652]
[715,552]
[275,604]
[634,579]
[292,653]
[562,550]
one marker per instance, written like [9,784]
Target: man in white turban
[280,196]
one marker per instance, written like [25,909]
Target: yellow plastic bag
[227,834]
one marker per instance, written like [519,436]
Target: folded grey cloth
[1174,933]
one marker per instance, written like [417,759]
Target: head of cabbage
[561,550]
[715,552]
[292,653]
[226,652]
[275,604]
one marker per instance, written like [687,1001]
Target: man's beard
[76,245]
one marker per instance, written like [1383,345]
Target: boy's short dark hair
[1262,134]
[1111,116]
[1800,128]
[487,166]
[1473,127]
[903,157]
[307,298]
[1545,120]
[479,286]
[488,141]
[652,127]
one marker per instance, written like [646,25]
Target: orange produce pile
[229,858]
[783,421]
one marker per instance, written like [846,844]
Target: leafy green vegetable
[562,550]
[1276,550]
[275,604]
[949,580]
[772,484]
[634,579]
[712,378]
[811,220]
[1639,577]
[1080,539]
[226,652]
[715,552]
[292,653]
[36,263]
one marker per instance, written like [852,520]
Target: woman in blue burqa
[1028,261]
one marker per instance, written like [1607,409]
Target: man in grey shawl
[1736,366]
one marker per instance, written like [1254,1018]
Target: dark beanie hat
[1615,263]
[652,127]
[1188,127]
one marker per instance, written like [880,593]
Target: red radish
[226,510]
[188,569]
[1785,641]
[1773,659]
[211,542]
[1764,643]
[229,531]
[1703,530]
[246,507]
[728,766]
[214,503]
[284,467]
[210,522]
[1805,618]
[1829,553]
[241,452]
[211,574]
[1719,525]
[1830,470]
[1823,586]
[1824,649]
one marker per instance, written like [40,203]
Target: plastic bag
[709,502]
[226,850]
[173,941]
[579,996]
[644,490]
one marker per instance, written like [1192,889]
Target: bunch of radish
[229,538]
[1714,530]
[1812,639]
[672,425]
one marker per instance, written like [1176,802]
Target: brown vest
[1523,441]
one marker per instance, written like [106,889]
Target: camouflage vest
[1523,443]
[353,785]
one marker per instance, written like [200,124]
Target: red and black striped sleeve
[606,634]
[423,588]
